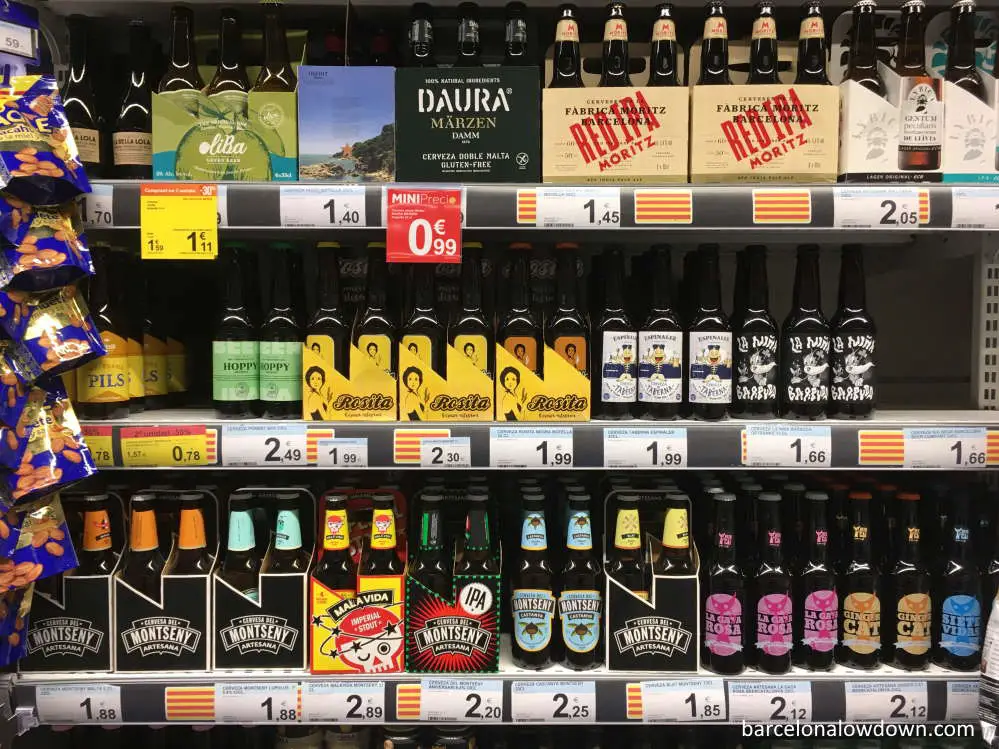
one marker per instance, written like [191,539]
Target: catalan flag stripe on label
[190,703]
[924,206]
[312,437]
[881,447]
[634,709]
[782,207]
[407,702]
[992,447]
[527,207]
[745,443]
[406,442]
[212,445]
[664,207]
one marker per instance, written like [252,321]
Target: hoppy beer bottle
[907,632]
[725,605]
[533,600]
[675,558]
[958,616]
[580,604]
[281,346]
[853,393]
[567,65]
[756,335]
[860,588]
[816,600]
[235,346]
[477,557]
[772,582]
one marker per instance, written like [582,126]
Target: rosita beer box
[562,393]
[466,394]
[367,394]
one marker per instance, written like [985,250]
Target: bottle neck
[908,528]
[567,281]
[770,528]
[534,533]
[182,42]
[241,535]
[78,50]
[627,530]
[423,296]
[758,290]
[812,46]
[579,530]
[383,534]
[520,278]
[818,533]
[959,532]
[676,531]
[143,535]
[961,51]
[852,287]
[806,282]
[863,51]
[471,282]
[282,284]
[138,55]
[192,529]
[516,38]
[477,536]
[614,289]
[376,282]
[230,43]
[336,533]
[234,299]
[289,531]
[911,55]
[861,532]
[96,530]
[662,282]
[709,293]
[724,540]
[329,282]
[431,537]
[98,294]
[276,55]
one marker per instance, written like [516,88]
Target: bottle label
[723,624]
[534,534]
[921,119]
[773,624]
[154,366]
[105,380]
[132,149]
[88,145]
[862,622]
[580,612]
[241,536]
[618,370]
[524,349]
[821,620]
[715,27]
[136,388]
[664,30]
[913,623]
[234,370]
[676,534]
[192,530]
[289,533]
[142,536]
[533,611]
[475,348]
[419,346]
[764,28]
[812,27]
[573,349]
[280,371]
[756,378]
[660,366]
[378,349]
[807,369]
[579,533]
[627,530]
[616,30]
[337,531]
[382,529]
[177,366]
[961,625]
[710,357]
[567,30]
[853,368]
[96,531]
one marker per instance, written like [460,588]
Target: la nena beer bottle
[615,62]
[96,555]
[921,118]
[567,65]
[144,566]
[660,346]
[725,615]
[714,47]
[287,555]
[470,333]
[79,100]
[616,386]
[276,74]
[533,601]
[763,47]
[860,589]
[431,567]
[853,394]
[957,629]
[662,56]
[241,565]
[383,556]
[805,344]
[336,569]
[816,599]
[907,634]
[709,344]
[567,331]
[756,336]
[235,346]
[627,564]
[469,44]
[192,548]
[772,583]
[281,346]
[580,604]
[811,66]
[421,37]
[961,67]
[675,558]
[132,132]
[862,67]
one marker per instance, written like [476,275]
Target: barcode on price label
[886,700]
[974,207]
[876,207]
[790,445]
[264,445]
[770,701]
[554,702]
[461,700]
[578,207]
[683,700]
[323,205]
[962,700]
[343,702]
[91,703]
[342,452]
[645,448]
[962,448]
[530,447]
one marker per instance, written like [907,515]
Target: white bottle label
[618,367]
[921,127]
[660,366]
[710,367]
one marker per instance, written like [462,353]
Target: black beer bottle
[132,133]
[854,341]
[763,47]
[470,333]
[421,37]
[615,385]
[230,85]
[580,604]
[627,563]
[675,558]
[860,588]
[804,352]
[79,100]
[567,66]
[863,65]
[519,332]
[910,617]
[281,347]
[382,557]
[756,336]
[961,69]
[477,557]
[709,351]
[533,600]
[811,46]
[567,332]
[241,565]
[615,50]
[423,335]
[957,622]
[336,569]
[182,71]
[235,347]
[469,44]
[277,73]
[816,601]
[725,614]
[516,51]
[144,566]
[714,47]
[431,567]
[374,334]
[662,57]
[772,583]
[330,319]
[660,346]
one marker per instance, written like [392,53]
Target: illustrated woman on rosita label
[414,396]
[315,403]
[512,395]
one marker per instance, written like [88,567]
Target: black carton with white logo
[271,631]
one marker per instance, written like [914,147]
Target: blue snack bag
[47,246]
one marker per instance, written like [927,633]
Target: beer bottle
[774,618]
[382,53]
[241,566]
[961,67]
[287,554]
[133,300]
[176,353]
[580,604]
[804,351]
[182,76]
[154,346]
[816,601]
[79,101]
[132,133]
[675,558]
[519,332]
[469,45]
[421,37]
[763,61]
[616,385]
[854,341]
[724,626]
[795,547]
[423,335]
[477,557]
[567,66]
[756,335]
[229,87]
[714,47]
[470,333]
[515,43]
[811,46]
[614,68]
[382,557]
[863,63]
[567,331]
[329,329]
[277,74]
[281,346]
[374,334]
[662,57]
[192,552]
[102,383]
[627,564]
[660,346]
[709,350]
[921,118]
[431,567]
[96,555]
[841,532]
[911,614]
[236,345]
[533,601]
[336,569]
[144,565]
[860,621]
[334,49]
[958,619]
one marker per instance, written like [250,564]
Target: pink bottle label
[773,624]
[821,616]
[723,624]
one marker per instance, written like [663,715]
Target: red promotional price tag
[424,225]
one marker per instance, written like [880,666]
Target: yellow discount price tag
[162,446]
[179,221]
[100,440]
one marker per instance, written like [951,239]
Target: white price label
[323,205]
[886,700]
[645,448]
[222,209]
[682,700]
[786,445]
[956,448]
[446,452]
[91,703]
[461,700]
[343,702]
[554,702]
[258,703]
[267,445]
[769,701]
[974,207]
[342,452]
[578,207]
[962,700]
[18,40]
[98,207]
[876,207]
[530,447]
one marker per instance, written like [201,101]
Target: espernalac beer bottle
[816,598]
[660,346]
[580,604]
[533,601]
[287,554]
[79,100]
[382,557]
[567,66]
[519,332]
[102,384]
[662,56]
[614,68]
[811,46]
[281,346]
[421,37]
[277,74]
[432,565]
[469,44]
[96,555]
[860,588]
[374,334]
[675,558]
[132,133]
[567,331]
[241,565]
[627,564]
[709,344]
[863,64]
[515,49]
[961,67]
[470,333]
[329,330]
[907,635]
[921,118]
[182,77]
[725,603]
[772,582]
[756,336]
[144,566]
[805,344]
[853,394]
[477,557]
[714,47]
[192,548]
[336,569]
[763,47]
[957,628]
[616,384]
[236,346]
[229,87]
[423,335]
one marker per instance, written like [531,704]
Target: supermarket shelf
[893,439]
